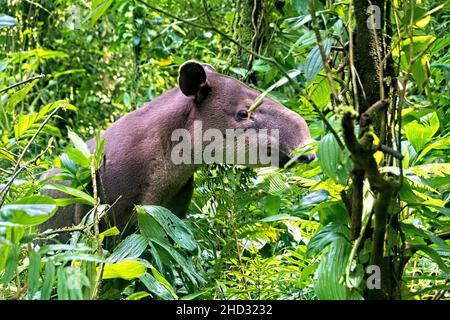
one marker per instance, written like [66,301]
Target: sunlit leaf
[127,270]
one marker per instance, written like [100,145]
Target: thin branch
[96,230]
[22,82]
[322,51]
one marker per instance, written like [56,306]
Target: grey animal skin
[137,165]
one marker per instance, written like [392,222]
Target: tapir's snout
[307,158]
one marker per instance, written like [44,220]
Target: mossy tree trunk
[251,28]
[374,99]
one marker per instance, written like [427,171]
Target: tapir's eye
[242,115]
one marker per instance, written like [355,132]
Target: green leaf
[78,157]
[314,62]
[158,276]
[272,204]
[24,123]
[445,211]
[29,211]
[72,191]
[181,261]
[329,284]
[328,154]
[332,212]
[130,248]
[434,256]
[62,290]
[315,197]
[33,273]
[173,226]
[19,95]
[441,144]
[99,8]
[49,279]
[155,287]
[79,143]
[99,149]
[128,270]
[109,233]
[319,91]
[420,134]
[325,236]
[149,227]
[11,264]
[138,295]
[420,70]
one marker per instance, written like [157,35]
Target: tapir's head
[221,104]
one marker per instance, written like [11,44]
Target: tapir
[138,166]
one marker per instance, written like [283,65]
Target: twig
[62,230]
[326,65]
[396,154]
[22,82]
[96,230]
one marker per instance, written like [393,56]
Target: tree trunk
[251,28]
[369,50]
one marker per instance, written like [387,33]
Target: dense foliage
[263,233]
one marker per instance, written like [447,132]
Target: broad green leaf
[272,204]
[24,123]
[420,70]
[174,227]
[29,211]
[325,236]
[314,197]
[181,261]
[314,62]
[128,270]
[319,91]
[332,212]
[329,283]
[329,154]
[158,276]
[155,287]
[78,157]
[280,217]
[130,248]
[99,8]
[445,211]
[72,191]
[19,95]
[149,226]
[434,256]
[440,144]
[420,134]
[79,143]
[77,257]
[5,154]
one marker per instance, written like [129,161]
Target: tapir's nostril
[306,158]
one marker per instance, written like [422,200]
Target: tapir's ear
[191,78]
[208,67]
